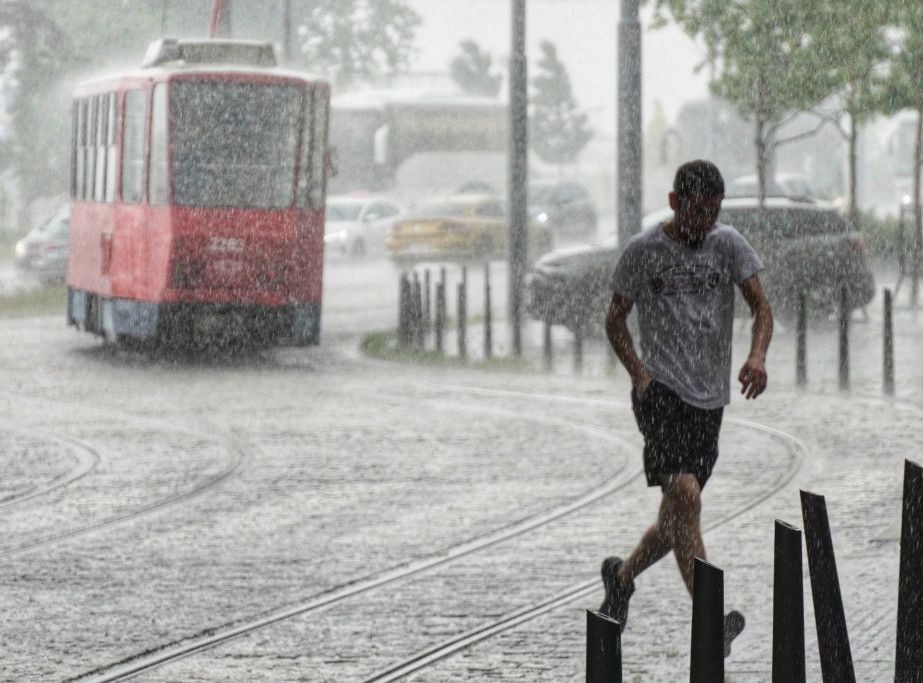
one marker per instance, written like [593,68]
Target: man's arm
[622,343]
[753,373]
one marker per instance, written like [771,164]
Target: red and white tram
[197,198]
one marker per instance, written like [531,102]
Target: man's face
[695,215]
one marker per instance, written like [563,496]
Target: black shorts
[679,438]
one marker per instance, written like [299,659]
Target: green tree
[769,62]
[351,41]
[905,91]
[471,71]
[557,130]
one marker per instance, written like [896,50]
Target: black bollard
[462,320]
[546,344]
[488,340]
[427,304]
[888,345]
[801,353]
[603,649]
[707,664]
[403,311]
[844,341]
[788,664]
[578,350]
[416,318]
[439,328]
[830,620]
[908,667]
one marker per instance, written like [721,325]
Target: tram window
[80,149]
[304,160]
[102,119]
[133,147]
[111,150]
[90,175]
[226,136]
[157,174]
[318,151]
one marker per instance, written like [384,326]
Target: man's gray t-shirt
[684,298]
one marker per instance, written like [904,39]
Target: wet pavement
[361,513]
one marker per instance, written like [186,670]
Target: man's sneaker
[734,623]
[617,594]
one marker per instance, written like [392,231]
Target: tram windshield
[234,144]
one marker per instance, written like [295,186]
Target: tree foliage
[471,70]
[557,130]
[351,41]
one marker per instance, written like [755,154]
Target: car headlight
[541,217]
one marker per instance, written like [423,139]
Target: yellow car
[459,227]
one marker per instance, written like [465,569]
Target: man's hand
[753,377]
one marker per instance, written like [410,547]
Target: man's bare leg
[677,529]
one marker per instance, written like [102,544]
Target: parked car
[806,248]
[565,207]
[357,225]
[43,251]
[790,185]
[459,227]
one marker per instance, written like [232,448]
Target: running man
[680,275]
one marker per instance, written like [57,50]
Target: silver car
[357,225]
[43,251]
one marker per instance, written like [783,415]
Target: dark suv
[806,248]
[564,206]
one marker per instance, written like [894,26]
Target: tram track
[88,459]
[164,654]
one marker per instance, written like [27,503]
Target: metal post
[578,351]
[403,311]
[440,315]
[416,307]
[629,122]
[546,344]
[829,618]
[488,340]
[844,340]
[888,345]
[603,649]
[801,354]
[427,304]
[518,170]
[707,665]
[909,650]
[788,663]
[462,320]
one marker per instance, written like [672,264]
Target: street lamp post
[518,170]
[629,122]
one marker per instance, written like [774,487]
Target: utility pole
[286,32]
[518,170]
[629,123]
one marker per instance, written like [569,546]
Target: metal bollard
[909,649]
[801,353]
[462,320]
[844,341]
[546,344]
[888,345]
[603,649]
[488,340]
[578,350]
[788,663]
[427,304]
[439,328]
[416,318]
[830,620]
[707,664]
[403,311]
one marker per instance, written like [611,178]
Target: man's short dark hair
[698,177]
